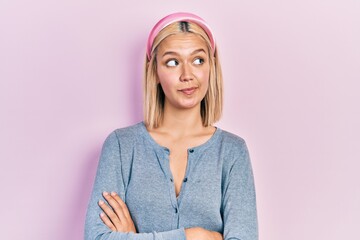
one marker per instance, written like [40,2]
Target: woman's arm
[109,178]
[116,216]
[239,200]
[198,233]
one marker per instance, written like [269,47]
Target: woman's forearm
[198,233]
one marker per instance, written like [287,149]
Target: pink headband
[178,17]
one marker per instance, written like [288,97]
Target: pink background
[70,72]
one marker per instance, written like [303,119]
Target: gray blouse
[217,192]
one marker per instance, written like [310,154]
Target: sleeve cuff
[177,234]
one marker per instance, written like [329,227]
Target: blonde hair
[154,97]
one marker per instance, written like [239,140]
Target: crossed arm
[116,216]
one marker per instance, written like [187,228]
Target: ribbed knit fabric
[217,192]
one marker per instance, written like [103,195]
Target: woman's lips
[188,91]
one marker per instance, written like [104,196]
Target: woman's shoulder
[131,130]
[234,149]
[130,133]
[231,138]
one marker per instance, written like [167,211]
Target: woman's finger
[107,221]
[116,206]
[122,204]
[110,214]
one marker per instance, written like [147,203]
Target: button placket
[171,185]
[186,179]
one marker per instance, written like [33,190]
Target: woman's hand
[117,216]
[198,233]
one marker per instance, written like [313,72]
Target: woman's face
[183,70]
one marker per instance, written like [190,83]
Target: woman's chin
[189,105]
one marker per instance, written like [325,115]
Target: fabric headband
[178,17]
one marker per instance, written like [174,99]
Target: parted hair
[154,97]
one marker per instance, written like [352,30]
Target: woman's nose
[186,74]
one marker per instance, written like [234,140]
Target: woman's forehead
[183,42]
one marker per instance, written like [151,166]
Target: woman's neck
[182,122]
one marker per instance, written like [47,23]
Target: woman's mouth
[188,91]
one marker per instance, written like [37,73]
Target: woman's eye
[198,61]
[172,63]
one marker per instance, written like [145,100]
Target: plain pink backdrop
[70,72]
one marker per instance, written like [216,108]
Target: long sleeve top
[217,192]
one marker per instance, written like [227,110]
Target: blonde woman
[175,176]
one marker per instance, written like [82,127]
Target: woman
[175,176]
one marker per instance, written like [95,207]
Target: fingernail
[105,193]
[101,202]
[102,214]
[113,194]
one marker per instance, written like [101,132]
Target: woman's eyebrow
[175,53]
[169,53]
[197,51]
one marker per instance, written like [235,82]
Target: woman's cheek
[168,77]
[203,77]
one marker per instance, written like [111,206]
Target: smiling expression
[183,70]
